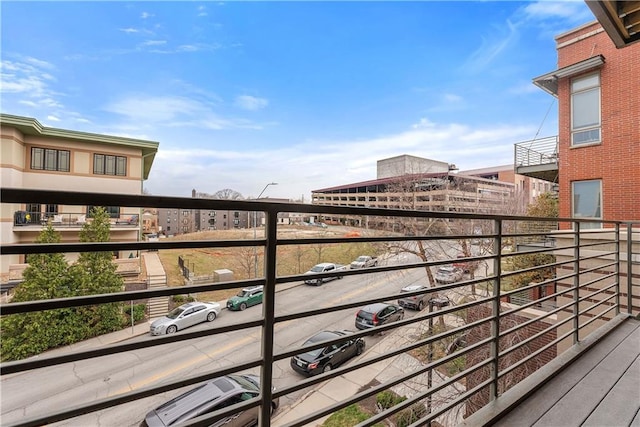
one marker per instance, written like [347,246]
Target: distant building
[527,188]
[44,158]
[409,182]
[180,221]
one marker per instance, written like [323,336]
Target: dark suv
[415,302]
[209,397]
[378,314]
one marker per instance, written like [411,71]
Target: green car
[246,298]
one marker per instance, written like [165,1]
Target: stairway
[157,306]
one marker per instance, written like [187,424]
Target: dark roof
[412,177]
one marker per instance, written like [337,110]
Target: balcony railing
[538,159]
[67,219]
[487,346]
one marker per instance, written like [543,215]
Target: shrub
[387,399]
[138,313]
[411,415]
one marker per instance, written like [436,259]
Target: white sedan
[449,274]
[186,315]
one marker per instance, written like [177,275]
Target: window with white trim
[585,110]
[587,201]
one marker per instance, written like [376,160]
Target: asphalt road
[30,393]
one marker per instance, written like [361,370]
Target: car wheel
[326,368]
[172,329]
[359,349]
[243,306]
[211,316]
[420,305]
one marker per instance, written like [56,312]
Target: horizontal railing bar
[590,321]
[532,337]
[21,195]
[537,285]
[108,402]
[534,354]
[7,368]
[596,280]
[598,304]
[355,366]
[535,319]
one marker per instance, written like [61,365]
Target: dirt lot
[292,259]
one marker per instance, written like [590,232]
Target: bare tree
[227,194]
[246,258]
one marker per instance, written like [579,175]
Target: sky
[307,94]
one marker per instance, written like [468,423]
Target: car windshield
[243,293]
[317,269]
[245,383]
[445,270]
[175,312]
[361,259]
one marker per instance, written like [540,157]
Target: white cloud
[573,11]
[146,15]
[53,118]
[300,168]
[29,80]
[492,46]
[153,43]
[129,30]
[174,111]
[251,103]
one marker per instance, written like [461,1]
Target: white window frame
[587,225]
[591,128]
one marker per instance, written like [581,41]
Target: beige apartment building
[44,158]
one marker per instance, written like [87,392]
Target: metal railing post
[268,328]
[495,311]
[629,269]
[617,259]
[576,283]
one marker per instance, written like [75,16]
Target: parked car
[466,266]
[378,314]
[186,315]
[364,261]
[246,298]
[415,302]
[448,274]
[324,268]
[209,397]
[326,358]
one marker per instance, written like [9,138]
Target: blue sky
[306,94]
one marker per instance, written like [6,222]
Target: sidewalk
[345,386]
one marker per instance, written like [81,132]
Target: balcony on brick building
[538,159]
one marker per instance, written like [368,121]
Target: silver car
[449,274]
[209,397]
[186,315]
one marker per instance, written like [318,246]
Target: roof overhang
[30,126]
[620,19]
[549,82]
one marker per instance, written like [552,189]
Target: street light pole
[255,220]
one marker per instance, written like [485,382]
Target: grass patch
[348,417]
[292,259]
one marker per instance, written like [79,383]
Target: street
[30,393]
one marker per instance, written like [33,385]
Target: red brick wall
[481,398]
[616,161]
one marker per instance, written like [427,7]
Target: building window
[113,211]
[587,201]
[104,164]
[50,159]
[585,110]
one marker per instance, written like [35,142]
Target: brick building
[598,151]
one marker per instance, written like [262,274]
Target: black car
[326,358]
[378,314]
[209,397]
